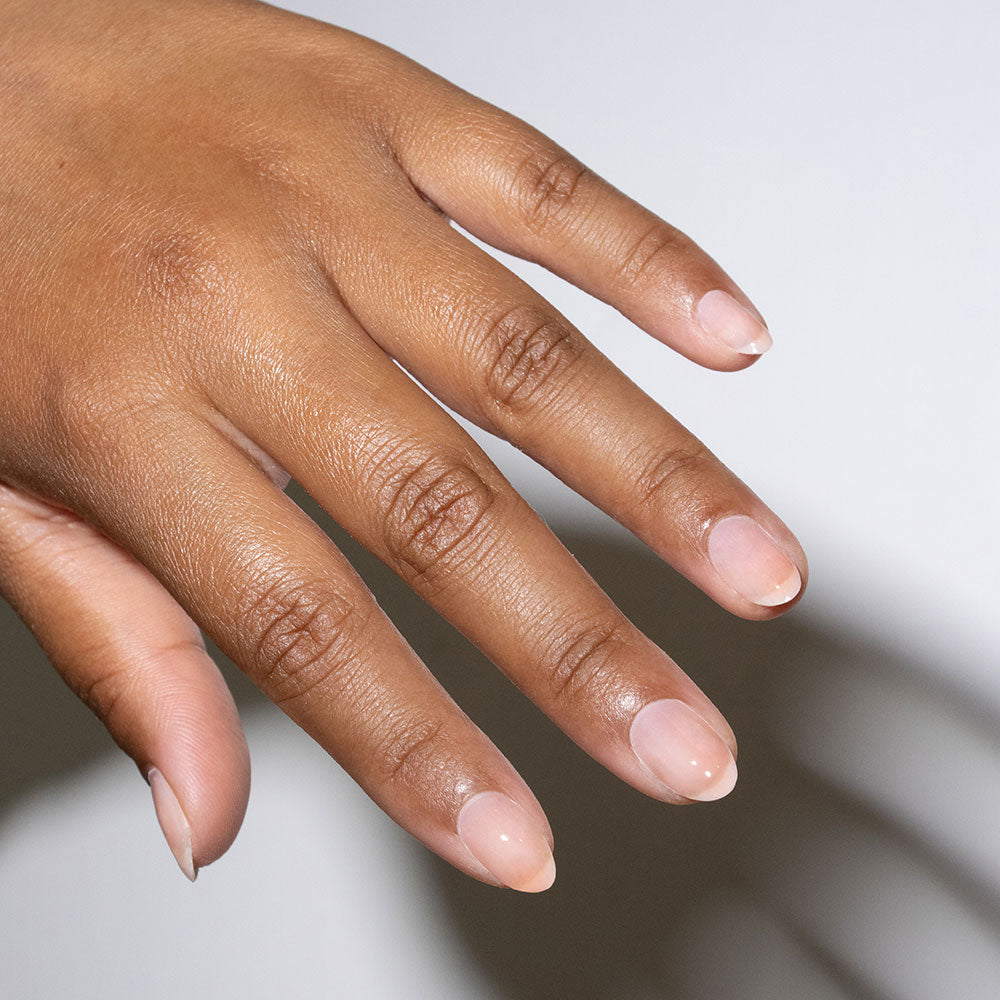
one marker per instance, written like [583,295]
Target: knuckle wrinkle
[582,660]
[410,748]
[674,477]
[529,350]
[651,257]
[546,189]
[304,637]
[431,508]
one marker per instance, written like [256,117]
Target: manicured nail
[750,561]
[683,751]
[506,842]
[173,822]
[722,317]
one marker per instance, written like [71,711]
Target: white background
[841,161]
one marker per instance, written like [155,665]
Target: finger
[131,654]
[282,602]
[518,190]
[400,475]
[492,348]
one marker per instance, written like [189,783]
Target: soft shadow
[45,732]
[825,840]
[827,873]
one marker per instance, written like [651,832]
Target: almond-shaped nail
[723,318]
[507,842]
[683,751]
[173,822]
[752,563]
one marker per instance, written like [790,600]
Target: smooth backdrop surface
[840,159]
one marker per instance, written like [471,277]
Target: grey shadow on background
[808,881]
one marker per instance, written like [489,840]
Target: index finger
[512,186]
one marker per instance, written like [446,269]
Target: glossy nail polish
[173,822]
[723,318]
[750,561]
[507,842]
[683,751]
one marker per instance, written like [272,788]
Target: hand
[222,226]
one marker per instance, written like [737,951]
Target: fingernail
[683,751]
[750,561]
[722,317]
[173,822]
[506,841]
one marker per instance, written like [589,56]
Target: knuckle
[186,271]
[79,406]
[652,259]
[546,189]
[305,635]
[676,478]
[581,662]
[411,748]
[115,694]
[530,353]
[104,695]
[431,507]
[86,410]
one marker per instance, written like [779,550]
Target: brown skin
[221,222]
